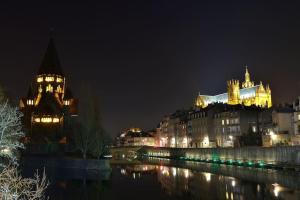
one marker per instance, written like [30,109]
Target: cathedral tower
[233,89]
[48,100]
[247,83]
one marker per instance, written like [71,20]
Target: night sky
[149,59]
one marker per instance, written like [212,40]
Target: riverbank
[283,157]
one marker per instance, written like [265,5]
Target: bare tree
[14,187]
[89,132]
[10,131]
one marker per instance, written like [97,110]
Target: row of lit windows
[231,129]
[47,120]
[66,102]
[231,121]
[49,79]
[30,102]
[49,88]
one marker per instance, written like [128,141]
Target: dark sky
[149,59]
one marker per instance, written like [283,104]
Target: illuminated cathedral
[249,94]
[48,102]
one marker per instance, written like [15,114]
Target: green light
[261,164]
[250,163]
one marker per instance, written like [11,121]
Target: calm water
[160,180]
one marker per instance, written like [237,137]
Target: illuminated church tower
[48,101]
[249,94]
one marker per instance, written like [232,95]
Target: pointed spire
[247,83]
[50,63]
[247,75]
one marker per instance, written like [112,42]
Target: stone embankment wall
[269,155]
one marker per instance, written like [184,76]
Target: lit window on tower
[55,120]
[58,89]
[67,102]
[59,80]
[40,79]
[29,102]
[49,88]
[46,119]
[49,79]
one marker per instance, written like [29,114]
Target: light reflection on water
[187,184]
[163,181]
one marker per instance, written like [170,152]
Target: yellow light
[277,189]
[49,78]
[59,80]
[174,171]
[46,119]
[206,141]
[39,79]
[49,88]
[55,120]
[273,135]
[58,89]
[233,183]
[186,173]
[37,120]
[207,176]
[29,102]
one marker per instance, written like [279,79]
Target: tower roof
[50,63]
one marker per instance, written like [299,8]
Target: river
[162,179]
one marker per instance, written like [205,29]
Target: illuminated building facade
[249,94]
[222,125]
[135,137]
[48,102]
[172,130]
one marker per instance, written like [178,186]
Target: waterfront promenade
[285,157]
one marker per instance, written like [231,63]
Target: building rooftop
[50,63]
